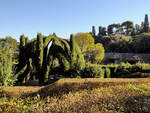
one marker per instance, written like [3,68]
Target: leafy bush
[95,53]
[92,71]
[107,73]
[125,65]
[6,73]
[92,52]
[126,70]
[143,66]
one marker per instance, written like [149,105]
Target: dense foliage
[7,76]
[125,37]
[37,58]
[92,52]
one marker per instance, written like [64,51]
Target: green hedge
[92,71]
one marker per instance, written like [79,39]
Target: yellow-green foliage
[66,46]
[125,65]
[64,63]
[84,40]
[93,52]
[143,35]
[125,38]
[77,58]
[143,66]
[6,72]
[47,39]
[107,73]
[140,70]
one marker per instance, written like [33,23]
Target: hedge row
[122,70]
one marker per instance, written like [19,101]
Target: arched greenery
[39,55]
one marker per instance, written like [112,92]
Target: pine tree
[93,31]
[146,24]
[22,41]
[102,31]
[110,29]
[73,53]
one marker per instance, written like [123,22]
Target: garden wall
[123,57]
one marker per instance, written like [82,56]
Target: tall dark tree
[93,31]
[22,50]
[26,40]
[110,29]
[23,60]
[128,27]
[146,24]
[102,31]
[22,41]
[39,48]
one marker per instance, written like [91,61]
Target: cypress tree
[39,48]
[22,55]
[100,31]
[73,52]
[22,41]
[66,47]
[77,58]
[64,63]
[80,58]
[146,24]
[93,31]
[26,40]
[47,61]
[47,67]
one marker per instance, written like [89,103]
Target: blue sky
[66,16]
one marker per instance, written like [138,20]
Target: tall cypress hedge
[39,49]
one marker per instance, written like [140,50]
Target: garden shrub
[143,66]
[127,70]
[6,73]
[135,68]
[92,71]
[107,73]
[125,65]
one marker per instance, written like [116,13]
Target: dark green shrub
[107,73]
[134,69]
[92,71]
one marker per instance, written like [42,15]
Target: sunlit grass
[80,96]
